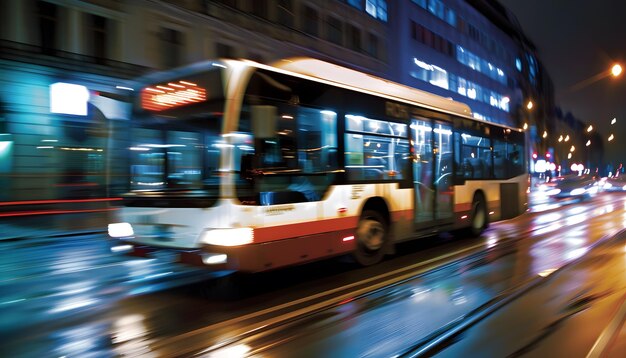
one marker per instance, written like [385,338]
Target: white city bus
[241,166]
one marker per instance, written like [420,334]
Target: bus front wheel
[371,238]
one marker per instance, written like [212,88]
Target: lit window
[377,9]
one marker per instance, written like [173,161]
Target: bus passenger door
[423,172]
[432,172]
[444,191]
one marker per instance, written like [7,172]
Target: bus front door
[432,172]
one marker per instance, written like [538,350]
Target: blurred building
[65,65]
[472,51]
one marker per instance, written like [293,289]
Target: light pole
[614,71]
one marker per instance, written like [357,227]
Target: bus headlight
[121,230]
[228,237]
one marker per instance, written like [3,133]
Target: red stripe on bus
[402,215]
[462,207]
[36,202]
[272,233]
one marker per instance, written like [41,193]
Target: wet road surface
[87,302]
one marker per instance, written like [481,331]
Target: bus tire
[479,218]
[372,237]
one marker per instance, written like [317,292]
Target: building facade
[90,52]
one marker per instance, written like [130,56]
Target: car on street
[573,187]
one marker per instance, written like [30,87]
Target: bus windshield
[176,138]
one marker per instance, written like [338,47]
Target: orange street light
[616,70]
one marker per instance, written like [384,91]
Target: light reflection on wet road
[89,303]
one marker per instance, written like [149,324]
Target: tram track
[272,322]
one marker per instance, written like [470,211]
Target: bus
[242,166]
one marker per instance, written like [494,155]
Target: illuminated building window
[356,3]
[439,77]
[377,9]
[479,64]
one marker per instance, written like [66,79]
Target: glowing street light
[545,134]
[616,70]
[588,143]
[566,138]
[611,137]
[529,105]
[560,138]
[525,126]
[590,128]
[572,149]
[613,121]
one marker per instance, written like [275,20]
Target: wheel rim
[370,234]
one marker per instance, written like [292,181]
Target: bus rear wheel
[479,220]
[371,238]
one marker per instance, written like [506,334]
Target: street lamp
[613,121]
[589,129]
[616,70]
[611,137]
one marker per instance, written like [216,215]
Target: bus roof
[359,80]
[338,75]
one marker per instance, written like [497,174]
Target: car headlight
[228,237]
[577,191]
[121,230]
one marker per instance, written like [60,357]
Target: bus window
[475,156]
[294,146]
[508,158]
[381,155]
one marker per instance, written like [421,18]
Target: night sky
[577,40]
